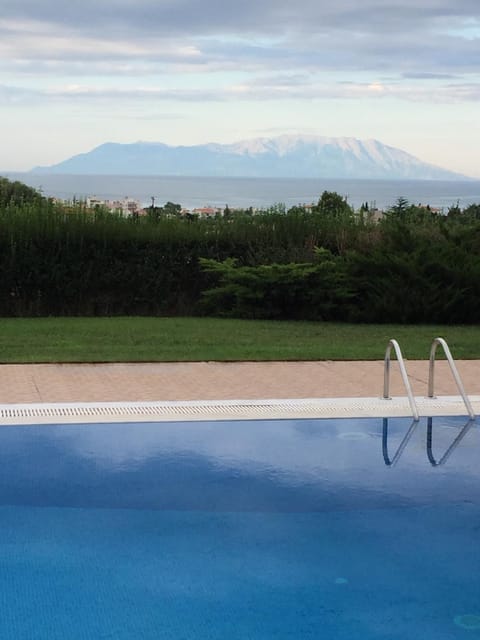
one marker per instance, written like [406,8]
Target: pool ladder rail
[393,344]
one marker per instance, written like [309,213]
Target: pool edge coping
[232,409]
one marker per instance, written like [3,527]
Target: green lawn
[194,339]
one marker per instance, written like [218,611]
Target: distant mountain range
[284,156]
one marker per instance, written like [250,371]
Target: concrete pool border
[58,393]
[214,381]
[268,409]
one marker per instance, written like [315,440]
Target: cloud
[424,75]
[265,40]
[15,96]
[157,19]
[181,17]
[259,89]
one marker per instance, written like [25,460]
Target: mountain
[284,156]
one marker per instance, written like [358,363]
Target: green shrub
[295,290]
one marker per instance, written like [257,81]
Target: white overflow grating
[312,408]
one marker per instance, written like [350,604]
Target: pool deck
[80,393]
[144,382]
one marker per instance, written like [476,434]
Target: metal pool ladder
[403,371]
[431,374]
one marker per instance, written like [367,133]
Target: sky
[76,74]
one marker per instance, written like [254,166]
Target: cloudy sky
[79,73]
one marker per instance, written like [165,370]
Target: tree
[17,193]
[400,207]
[172,209]
[334,205]
[472,211]
[454,210]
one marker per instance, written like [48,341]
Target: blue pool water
[241,530]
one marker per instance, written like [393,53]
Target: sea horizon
[260,193]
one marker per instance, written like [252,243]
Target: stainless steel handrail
[453,369]
[403,371]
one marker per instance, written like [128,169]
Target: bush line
[324,263]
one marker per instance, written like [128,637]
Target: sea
[261,193]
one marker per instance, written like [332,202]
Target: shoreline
[191,192]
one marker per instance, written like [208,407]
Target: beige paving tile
[219,380]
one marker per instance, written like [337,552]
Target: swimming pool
[248,530]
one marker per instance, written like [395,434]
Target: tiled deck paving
[220,381]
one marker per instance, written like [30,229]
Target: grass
[26,340]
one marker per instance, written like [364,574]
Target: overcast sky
[79,73]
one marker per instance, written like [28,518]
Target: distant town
[131,207]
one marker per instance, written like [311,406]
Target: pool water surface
[248,530]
